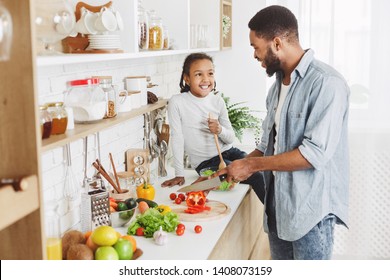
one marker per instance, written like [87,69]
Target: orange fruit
[91,245]
[132,240]
[87,234]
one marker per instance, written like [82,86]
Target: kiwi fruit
[71,237]
[79,252]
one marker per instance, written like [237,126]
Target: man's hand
[236,172]
[173,182]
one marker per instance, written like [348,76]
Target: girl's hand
[214,126]
[173,182]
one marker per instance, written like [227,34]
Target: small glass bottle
[53,233]
[166,44]
[59,117]
[45,121]
[105,83]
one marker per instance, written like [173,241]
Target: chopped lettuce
[151,220]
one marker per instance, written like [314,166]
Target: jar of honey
[45,121]
[59,117]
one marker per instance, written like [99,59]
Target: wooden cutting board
[218,210]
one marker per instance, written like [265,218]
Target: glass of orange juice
[53,233]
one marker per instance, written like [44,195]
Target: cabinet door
[20,219]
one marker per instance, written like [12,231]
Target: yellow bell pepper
[163,209]
[145,191]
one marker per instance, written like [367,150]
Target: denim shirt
[314,119]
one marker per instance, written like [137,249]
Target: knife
[204,185]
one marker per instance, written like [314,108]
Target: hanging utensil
[222,163]
[164,135]
[71,187]
[162,163]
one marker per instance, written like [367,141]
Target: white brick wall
[52,80]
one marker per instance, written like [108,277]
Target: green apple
[106,253]
[124,248]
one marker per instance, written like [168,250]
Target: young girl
[191,128]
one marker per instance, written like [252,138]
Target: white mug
[106,21]
[119,20]
[137,83]
[66,23]
[86,23]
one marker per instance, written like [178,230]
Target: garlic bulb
[160,237]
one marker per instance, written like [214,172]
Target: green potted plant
[241,118]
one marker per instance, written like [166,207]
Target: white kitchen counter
[191,246]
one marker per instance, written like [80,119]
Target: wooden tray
[218,210]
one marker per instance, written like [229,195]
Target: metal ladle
[164,151]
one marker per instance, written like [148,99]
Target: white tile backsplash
[52,83]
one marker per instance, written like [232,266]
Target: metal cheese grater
[95,210]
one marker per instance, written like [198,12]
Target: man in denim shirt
[304,149]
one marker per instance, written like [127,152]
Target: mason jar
[59,117]
[45,121]
[87,99]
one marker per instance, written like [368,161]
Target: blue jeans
[317,244]
[256,180]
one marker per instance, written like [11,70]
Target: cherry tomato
[172,196]
[179,231]
[182,196]
[198,229]
[178,200]
[140,231]
[182,226]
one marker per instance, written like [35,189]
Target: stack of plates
[104,42]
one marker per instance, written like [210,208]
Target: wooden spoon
[222,163]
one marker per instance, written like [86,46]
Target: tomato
[172,196]
[179,231]
[178,200]
[182,226]
[182,196]
[140,231]
[198,229]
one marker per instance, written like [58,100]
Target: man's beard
[272,63]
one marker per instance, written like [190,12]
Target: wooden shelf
[83,130]
[84,58]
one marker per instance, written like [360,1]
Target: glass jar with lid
[87,99]
[45,121]
[156,39]
[166,44]
[143,28]
[59,117]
